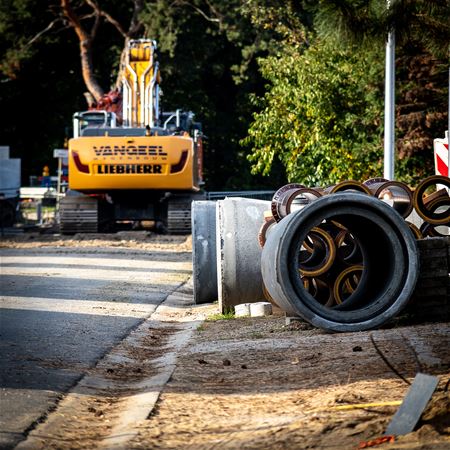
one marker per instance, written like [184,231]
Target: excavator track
[179,216]
[79,214]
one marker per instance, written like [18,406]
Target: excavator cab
[92,119]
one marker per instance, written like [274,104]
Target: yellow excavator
[128,161]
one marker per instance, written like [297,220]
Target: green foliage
[16,16]
[367,21]
[225,316]
[320,115]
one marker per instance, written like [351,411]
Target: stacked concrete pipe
[357,261]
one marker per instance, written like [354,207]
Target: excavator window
[122,132]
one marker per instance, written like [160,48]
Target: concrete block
[242,310]
[4,152]
[260,309]
[10,177]
[239,278]
[204,260]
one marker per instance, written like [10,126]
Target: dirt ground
[142,240]
[256,383]
[253,383]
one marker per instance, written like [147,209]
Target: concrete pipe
[320,289]
[239,277]
[204,259]
[389,260]
[346,283]
[371,181]
[269,222]
[434,208]
[394,193]
[348,250]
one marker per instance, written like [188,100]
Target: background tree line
[285,90]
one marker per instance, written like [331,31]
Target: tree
[208,52]
[365,22]
[41,85]
[319,115]
[305,111]
[86,36]
[85,17]
[422,46]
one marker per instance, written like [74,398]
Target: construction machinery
[128,161]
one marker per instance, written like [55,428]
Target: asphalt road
[60,311]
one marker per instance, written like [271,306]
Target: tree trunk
[85,40]
[88,69]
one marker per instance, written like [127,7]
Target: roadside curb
[171,316]
[138,407]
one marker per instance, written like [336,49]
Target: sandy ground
[256,383]
[253,383]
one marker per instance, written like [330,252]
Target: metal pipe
[156,105]
[389,106]
[126,102]
[394,193]
[143,90]
[150,92]
[168,120]
[134,108]
[278,197]
[348,185]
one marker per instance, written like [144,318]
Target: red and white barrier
[441,156]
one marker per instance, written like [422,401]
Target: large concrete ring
[239,278]
[204,260]
[390,260]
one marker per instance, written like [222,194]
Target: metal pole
[58,189]
[389,107]
[448,125]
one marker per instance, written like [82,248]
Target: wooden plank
[413,405]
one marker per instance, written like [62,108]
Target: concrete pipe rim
[358,298]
